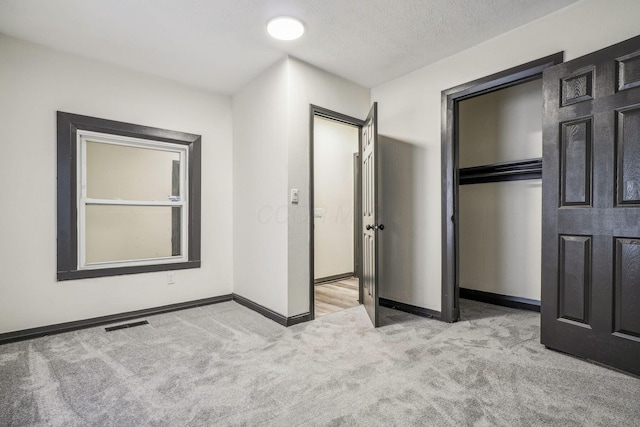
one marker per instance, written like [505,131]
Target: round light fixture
[285,28]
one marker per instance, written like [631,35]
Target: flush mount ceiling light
[285,28]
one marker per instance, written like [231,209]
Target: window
[128,198]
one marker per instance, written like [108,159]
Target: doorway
[335,207]
[496,171]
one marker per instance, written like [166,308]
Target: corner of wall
[309,85]
[260,189]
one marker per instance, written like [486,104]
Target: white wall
[36,82]
[260,194]
[270,157]
[334,144]
[310,85]
[500,232]
[410,118]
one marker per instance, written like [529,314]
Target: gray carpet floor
[224,365]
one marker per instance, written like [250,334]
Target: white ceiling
[221,45]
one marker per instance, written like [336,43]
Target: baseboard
[408,308]
[298,318]
[334,278]
[502,300]
[103,320]
[270,314]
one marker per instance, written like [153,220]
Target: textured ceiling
[221,45]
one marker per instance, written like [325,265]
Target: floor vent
[126,325]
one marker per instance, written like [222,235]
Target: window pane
[119,233]
[131,173]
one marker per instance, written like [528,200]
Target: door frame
[316,111]
[357,216]
[450,309]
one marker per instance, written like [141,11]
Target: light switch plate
[295,197]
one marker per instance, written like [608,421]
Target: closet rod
[498,172]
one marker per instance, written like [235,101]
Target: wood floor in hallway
[336,296]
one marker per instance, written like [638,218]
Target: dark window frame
[67,245]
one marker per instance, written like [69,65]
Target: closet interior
[500,195]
